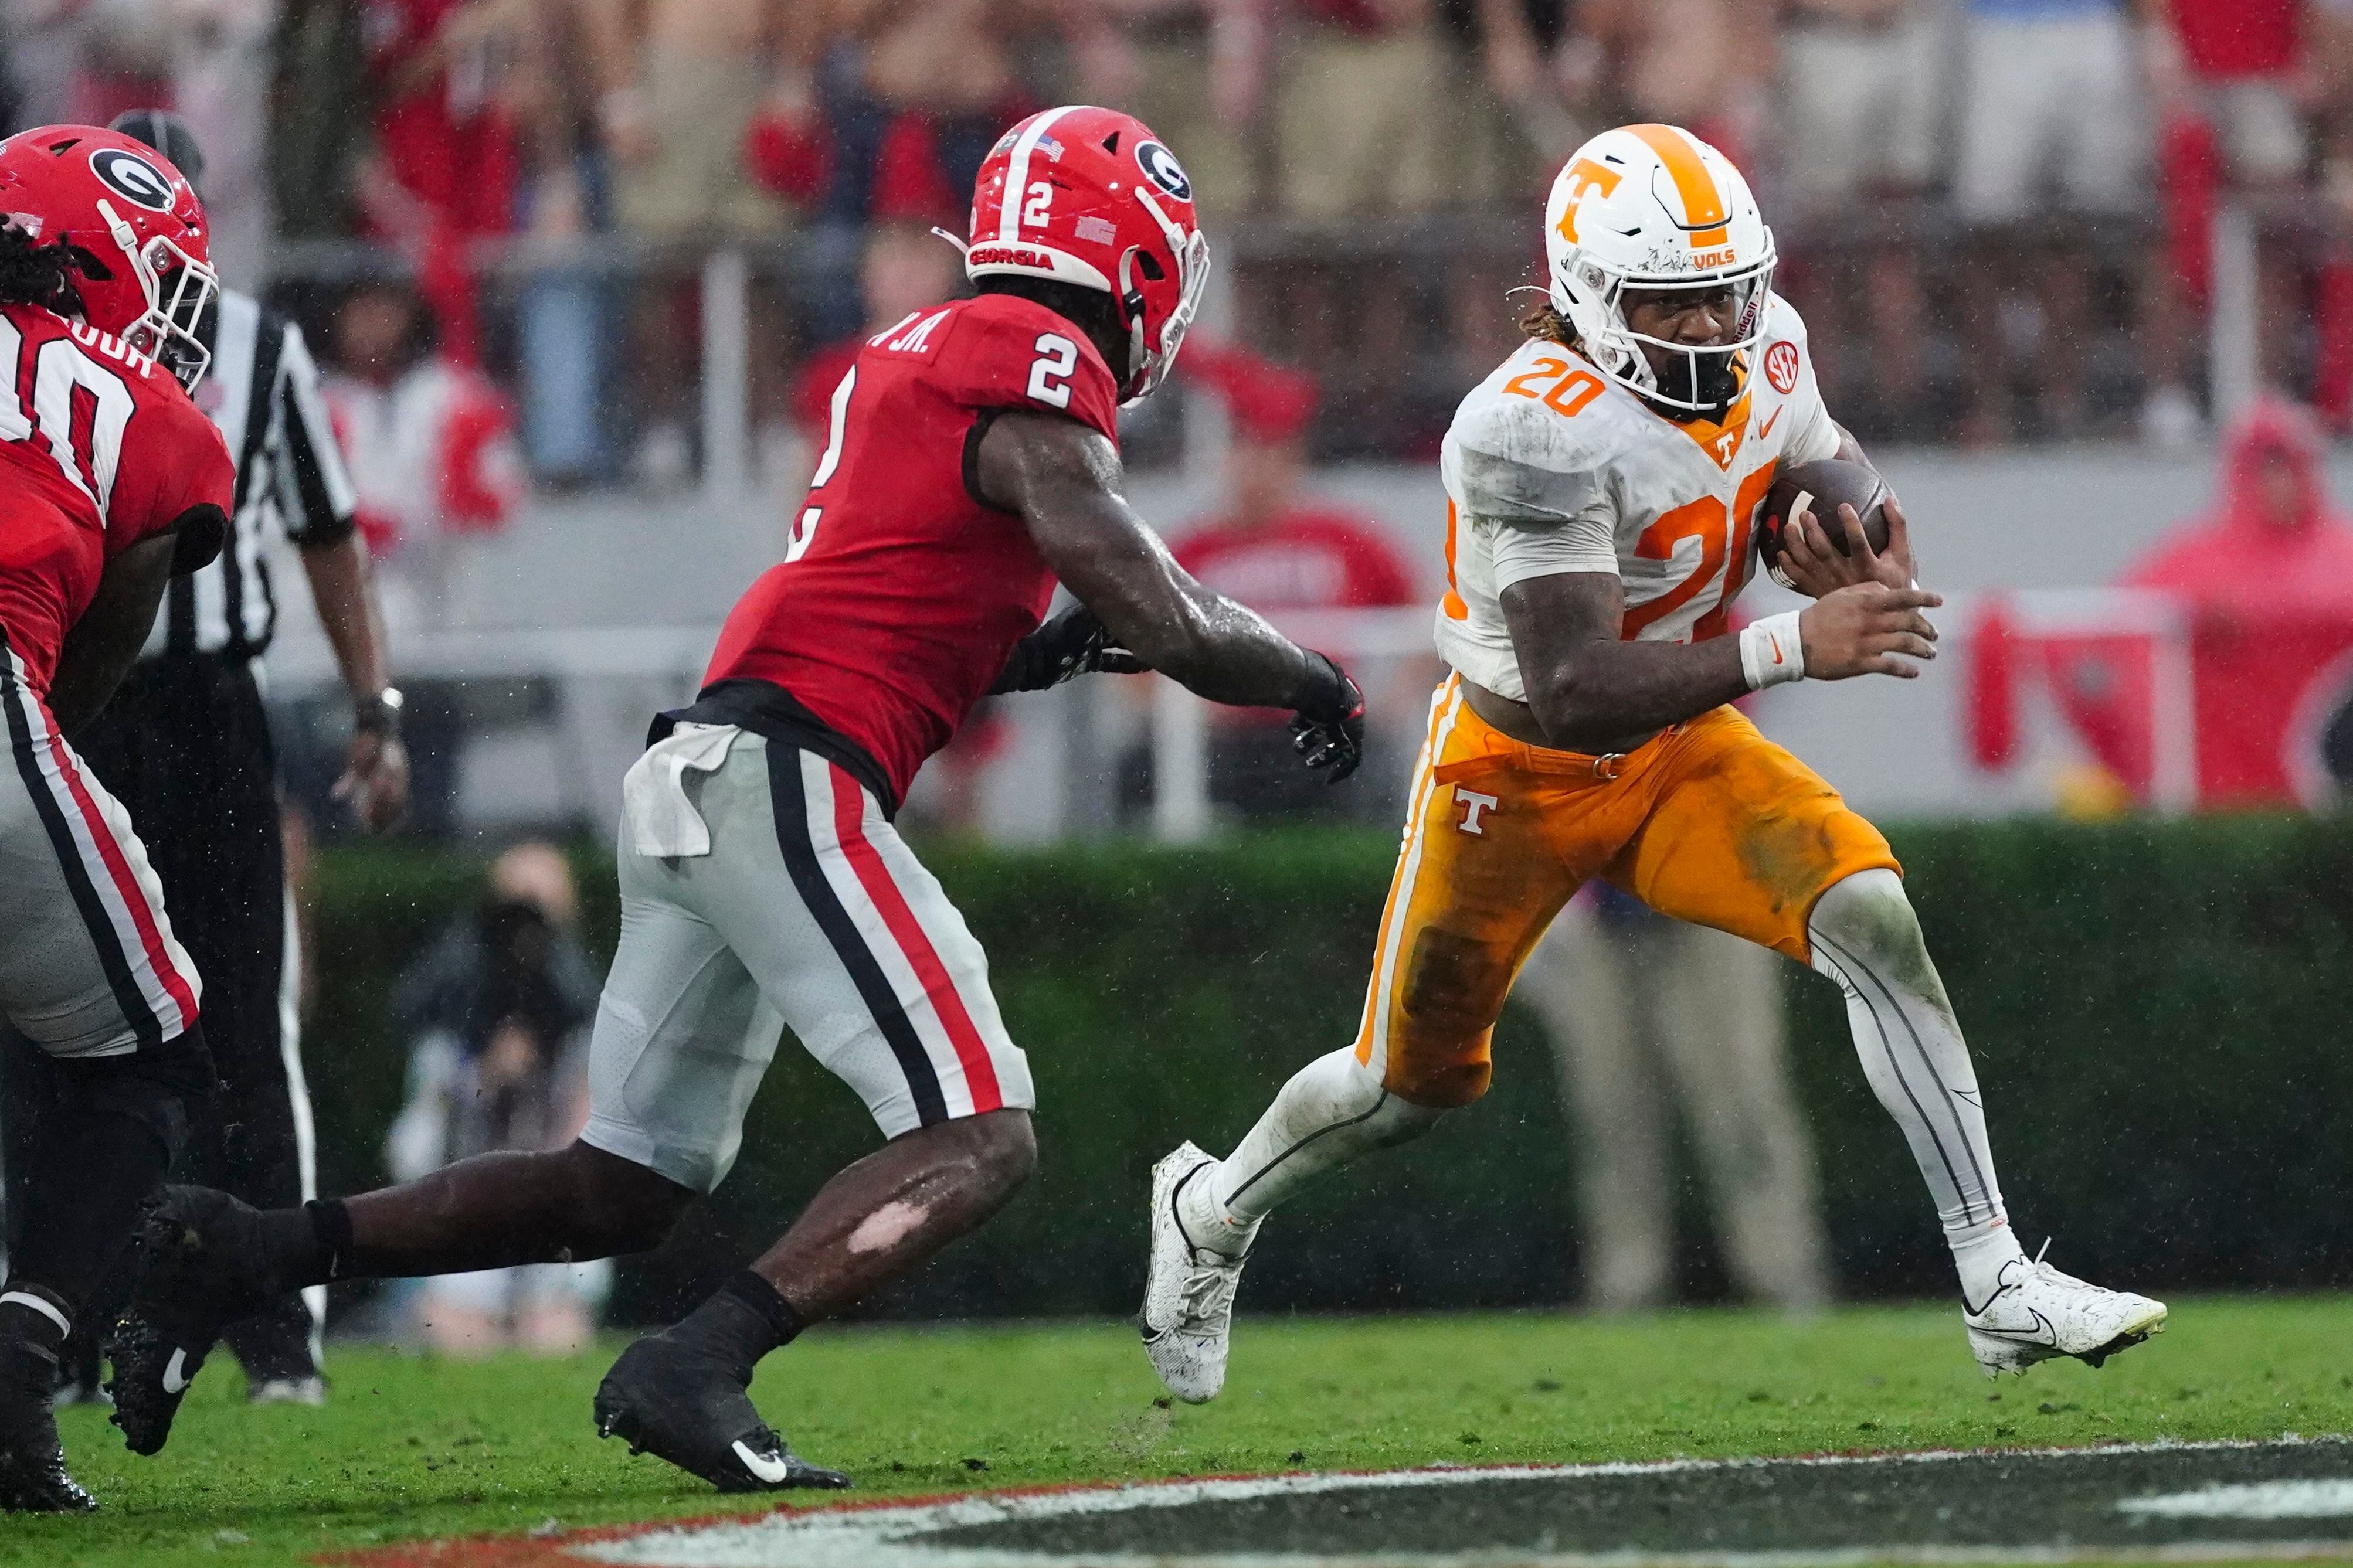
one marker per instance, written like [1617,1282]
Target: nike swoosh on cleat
[772,1471]
[175,1378]
[2048,1339]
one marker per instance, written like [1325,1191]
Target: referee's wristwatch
[380,714]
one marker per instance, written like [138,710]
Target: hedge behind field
[2161,1016]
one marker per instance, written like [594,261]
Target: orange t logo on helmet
[1583,176]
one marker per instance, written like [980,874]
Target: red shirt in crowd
[445,139]
[2229,40]
[1307,559]
[2272,601]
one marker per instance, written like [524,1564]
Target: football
[1821,488]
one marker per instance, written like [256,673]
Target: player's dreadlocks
[32,273]
[1550,325]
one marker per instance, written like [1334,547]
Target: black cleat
[199,1268]
[33,1478]
[670,1400]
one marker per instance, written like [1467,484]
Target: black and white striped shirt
[262,390]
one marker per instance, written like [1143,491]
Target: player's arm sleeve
[176,480]
[315,499]
[1521,552]
[1538,517]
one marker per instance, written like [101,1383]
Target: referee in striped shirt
[186,746]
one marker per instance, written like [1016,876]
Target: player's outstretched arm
[1591,693]
[1063,480]
[101,647]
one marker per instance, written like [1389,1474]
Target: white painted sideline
[2253,1499]
[893,1536]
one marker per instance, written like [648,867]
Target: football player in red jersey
[111,480]
[972,461]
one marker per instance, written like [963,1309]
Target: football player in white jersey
[1601,488]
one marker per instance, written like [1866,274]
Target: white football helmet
[1653,207]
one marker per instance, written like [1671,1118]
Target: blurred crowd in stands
[1998,213]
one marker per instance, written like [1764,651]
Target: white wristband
[1772,651]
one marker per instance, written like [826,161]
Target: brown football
[1822,488]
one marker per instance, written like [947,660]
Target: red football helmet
[136,216]
[1090,196]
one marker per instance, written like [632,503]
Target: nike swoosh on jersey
[175,1378]
[1770,420]
[771,1470]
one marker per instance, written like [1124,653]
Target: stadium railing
[1391,314]
[551,718]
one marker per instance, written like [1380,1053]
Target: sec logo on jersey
[1781,366]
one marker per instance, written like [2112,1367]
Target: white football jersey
[1549,468]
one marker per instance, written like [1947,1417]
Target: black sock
[34,1324]
[99,1153]
[309,1246]
[742,1321]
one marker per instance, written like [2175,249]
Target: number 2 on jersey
[1722,536]
[1049,384]
[804,530]
[1050,373]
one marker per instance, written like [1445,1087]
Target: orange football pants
[1708,822]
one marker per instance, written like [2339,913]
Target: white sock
[1982,1253]
[1205,1223]
[1866,937]
[1332,1111]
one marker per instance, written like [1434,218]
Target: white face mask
[1620,350]
[1150,363]
[178,287]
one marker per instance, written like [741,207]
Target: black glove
[1329,732]
[1072,643]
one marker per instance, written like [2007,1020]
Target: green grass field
[413,1447]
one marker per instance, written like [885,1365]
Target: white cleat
[1189,1291]
[2037,1313]
[312,1391]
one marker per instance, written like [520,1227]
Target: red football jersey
[100,449]
[901,595]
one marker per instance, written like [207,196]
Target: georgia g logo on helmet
[133,178]
[1161,165]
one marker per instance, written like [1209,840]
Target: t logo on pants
[1472,805]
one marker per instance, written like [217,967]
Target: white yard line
[893,1536]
